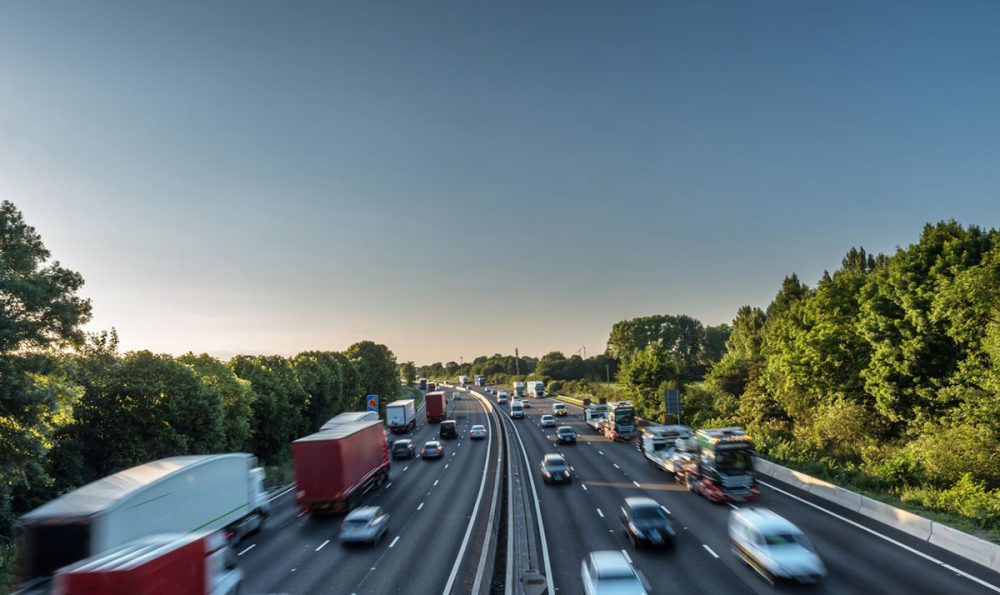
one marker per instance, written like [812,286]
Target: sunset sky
[461,178]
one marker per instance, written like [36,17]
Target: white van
[516,410]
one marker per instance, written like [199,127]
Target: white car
[478,432]
[526,403]
[773,547]
[610,573]
[548,421]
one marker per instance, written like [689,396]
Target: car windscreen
[784,539]
[648,513]
[734,461]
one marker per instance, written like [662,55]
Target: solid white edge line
[247,550]
[322,545]
[538,513]
[475,510]
[282,493]
[393,544]
[990,586]
[714,555]
[627,557]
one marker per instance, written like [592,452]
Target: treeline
[496,368]
[73,409]
[884,376]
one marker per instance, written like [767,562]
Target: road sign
[673,401]
[373,403]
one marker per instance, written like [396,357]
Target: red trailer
[434,407]
[194,563]
[335,467]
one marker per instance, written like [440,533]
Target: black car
[555,469]
[403,449]
[566,435]
[646,522]
[448,429]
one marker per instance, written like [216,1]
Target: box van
[516,410]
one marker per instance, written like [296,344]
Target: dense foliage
[73,409]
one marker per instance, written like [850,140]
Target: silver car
[611,573]
[774,547]
[548,421]
[367,524]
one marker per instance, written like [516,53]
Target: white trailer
[536,389]
[668,447]
[401,416]
[349,417]
[595,415]
[174,495]
[518,389]
[463,380]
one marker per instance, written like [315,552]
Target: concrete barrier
[838,495]
[965,545]
[897,518]
[764,467]
[792,478]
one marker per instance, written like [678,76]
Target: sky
[462,178]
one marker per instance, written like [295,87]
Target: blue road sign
[373,403]
[673,400]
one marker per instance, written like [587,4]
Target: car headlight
[636,530]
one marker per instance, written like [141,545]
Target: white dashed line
[616,465]
[421,506]
[584,486]
[393,544]
[600,513]
[436,481]
[733,506]
[247,550]
[714,555]
[600,452]
[388,485]
[446,465]
[636,483]
[405,468]
[322,545]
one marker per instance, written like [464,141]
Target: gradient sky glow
[461,178]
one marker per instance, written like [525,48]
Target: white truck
[349,417]
[463,380]
[175,495]
[519,389]
[401,416]
[669,448]
[536,389]
[595,415]
[501,397]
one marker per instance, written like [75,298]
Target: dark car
[432,450]
[403,449]
[566,435]
[448,429]
[646,522]
[555,469]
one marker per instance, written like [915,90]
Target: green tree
[279,411]
[682,338]
[41,310]
[352,393]
[646,375]
[237,398]
[377,368]
[409,372]
[319,375]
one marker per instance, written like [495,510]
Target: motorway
[431,505]
[584,516]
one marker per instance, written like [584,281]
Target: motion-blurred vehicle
[193,563]
[566,435]
[774,547]
[335,467]
[478,432]
[432,450]
[434,407]
[403,449]
[559,409]
[518,389]
[595,415]
[516,410]
[555,469]
[367,524]
[448,429]
[548,421]
[646,522]
[722,468]
[526,403]
[536,388]
[671,448]
[456,396]
[611,573]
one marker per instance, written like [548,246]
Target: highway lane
[857,560]
[430,503]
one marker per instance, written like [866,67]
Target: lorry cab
[516,410]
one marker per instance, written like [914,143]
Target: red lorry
[195,563]
[334,468]
[434,407]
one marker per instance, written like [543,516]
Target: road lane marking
[616,465]
[393,544]
[421,506]
[980,581]
[600,452]
[388,485]
[600,513]
[322,545]
[280,494]
[584,486]
[733,506]
[446,465]
[714,555]
[627,557]
[247,550]
[405,468]
[436,482]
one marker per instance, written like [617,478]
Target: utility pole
[517,362]
[607,370]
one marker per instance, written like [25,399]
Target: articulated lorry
[518,389]
[175,495]
[334,468]
[595,415]
[349,417]
[669,448]
[722,468]
[536,389]
[192,564]
[434,407]
[463,380]
[479,380]
[401,416]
